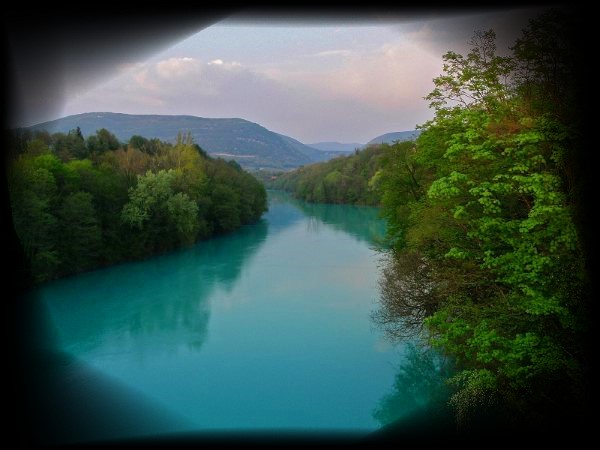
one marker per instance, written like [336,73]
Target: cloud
[333,53]
[395,76]
[316,84]
[126,67]
[362,96]
[178,86]
[177,67]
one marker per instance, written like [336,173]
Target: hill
[336,146]
[341,148]
[250,144]
[389,138]
[314,154]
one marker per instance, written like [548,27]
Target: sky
[313,81]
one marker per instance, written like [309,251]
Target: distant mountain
[308,151]
[389,138]
[336,146]
[250,144]
[345,148]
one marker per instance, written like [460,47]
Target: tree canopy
[488,265]
[345,179]
[83,203]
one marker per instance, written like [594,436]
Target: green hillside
[250,144]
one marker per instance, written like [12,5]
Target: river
[265,328]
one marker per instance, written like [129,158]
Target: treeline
[345,179]
[488,266]
[82,203]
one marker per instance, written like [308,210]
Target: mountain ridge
[334,146]
[389,138]
[249,143]
[252,145]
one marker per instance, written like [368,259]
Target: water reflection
[408,294]
[279,311]
[362,222]
[419,385]
[166,307]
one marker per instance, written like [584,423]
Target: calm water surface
[265,328]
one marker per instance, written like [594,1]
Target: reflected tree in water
[408,294]
[162,303]
[418,385]
[360,222]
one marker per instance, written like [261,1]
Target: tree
[69,146]
[480,79]
[225,208]
[74,213]
[138,142]
[183,214]
[346,179]
[545,66]
[37,147]
[489,221]
[33,194]
[102,141]
[400,184]
[164,216]
[131,163]
[80,232]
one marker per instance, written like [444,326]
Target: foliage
[408,295]
[80,234]
[160,213]
[345,179]
[487,263]
[79,204]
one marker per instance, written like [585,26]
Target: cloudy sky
[346,82]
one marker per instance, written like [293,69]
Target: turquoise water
[265,328]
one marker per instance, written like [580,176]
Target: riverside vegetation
[78,203]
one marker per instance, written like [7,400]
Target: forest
[345,179]
[81,203]
[484,214]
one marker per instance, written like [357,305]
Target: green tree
[102,141]
[183,214]
[74,213]
[37,147]
[489,217]
[139,142]
[69,146]
[33,195]
[225,208]
[80,233]
[164,216]
[346,179]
